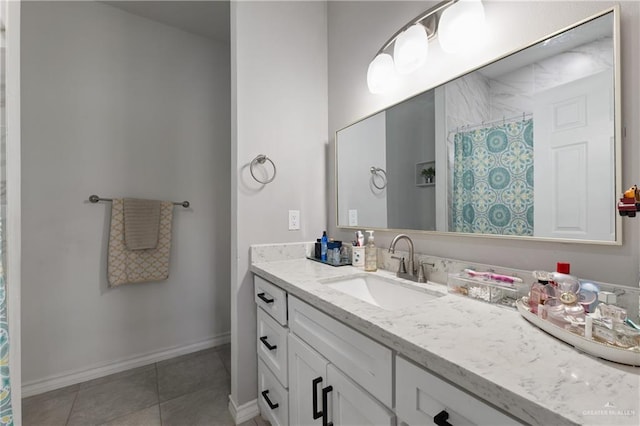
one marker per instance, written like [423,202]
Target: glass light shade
[462,26]
[410,49]
[381,74]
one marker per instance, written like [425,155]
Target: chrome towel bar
[95,199]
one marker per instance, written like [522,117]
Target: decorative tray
[326,262]
[592,347]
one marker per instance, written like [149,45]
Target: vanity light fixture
[462,26]
[456,22]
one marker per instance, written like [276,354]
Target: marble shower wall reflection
[478,97]
[512,94]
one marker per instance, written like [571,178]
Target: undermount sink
[386,293]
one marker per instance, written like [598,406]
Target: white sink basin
[386,293]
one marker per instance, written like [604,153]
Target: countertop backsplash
[438,273]
[284,251]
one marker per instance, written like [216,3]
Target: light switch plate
[294,220]
[353,217]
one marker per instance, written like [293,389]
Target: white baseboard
[78,376]
[243,412]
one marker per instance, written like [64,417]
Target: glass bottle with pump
[370,255]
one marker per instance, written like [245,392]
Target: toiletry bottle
[537,295]
[370,255]
[358,256]
[323,246]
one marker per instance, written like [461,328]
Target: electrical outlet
[294,220]
[353,217]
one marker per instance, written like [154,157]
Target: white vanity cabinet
[273,398]
[424,399]
[366,361]
[320,394]
[272,299]
[315,370]
[272,331]
[307,375]
[272,345]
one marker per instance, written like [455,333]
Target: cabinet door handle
[440,419]
[316,414]
[325,409]
[264,298]
[269,346]
[269,403]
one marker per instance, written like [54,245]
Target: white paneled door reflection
[574,174]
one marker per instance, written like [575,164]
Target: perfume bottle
[539,293]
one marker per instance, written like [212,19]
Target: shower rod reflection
[95,199]
[503,121]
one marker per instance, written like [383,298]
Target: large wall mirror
[527,146]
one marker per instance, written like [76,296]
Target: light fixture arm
[431,24]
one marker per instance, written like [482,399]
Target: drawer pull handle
[325,410]
[441,418]
[264,298]
[269,346]
[269,403]
[316,414]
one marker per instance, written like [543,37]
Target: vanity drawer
[421,396]
[273,399]
[366,361]
[272,345]
[271,298]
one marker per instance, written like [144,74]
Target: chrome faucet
[402,271]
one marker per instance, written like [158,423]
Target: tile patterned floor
[189,390]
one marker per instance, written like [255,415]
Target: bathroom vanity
[327,357]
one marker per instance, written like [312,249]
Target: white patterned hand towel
[135,266]
[141,223]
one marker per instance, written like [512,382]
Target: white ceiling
[206,18]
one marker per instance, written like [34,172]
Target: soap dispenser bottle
[370,255]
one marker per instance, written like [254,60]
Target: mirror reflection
[525,146]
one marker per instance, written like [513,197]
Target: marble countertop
[490,351]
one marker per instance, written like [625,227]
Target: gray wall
[119,105]
[279,108]
[410,140]
[360,147]
[358,29]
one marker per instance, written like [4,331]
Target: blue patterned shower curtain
[493,180]
[6,414]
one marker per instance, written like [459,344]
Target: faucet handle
[421,274]
[402,268]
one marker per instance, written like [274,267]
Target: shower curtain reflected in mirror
[492,187]
[6,413]
[6,417]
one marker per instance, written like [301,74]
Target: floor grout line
[158,393]
[128,414]
[72,405]
[222,361]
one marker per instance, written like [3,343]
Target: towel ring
[377,171]
[261,159]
